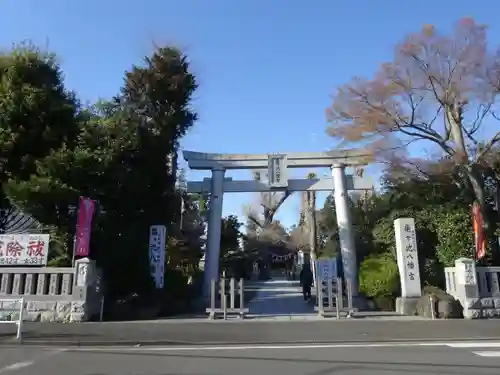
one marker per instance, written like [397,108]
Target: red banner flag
[84,226]
[479,236]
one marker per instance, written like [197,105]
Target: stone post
[347,246]
[212,252]
[467,288]
[87,295]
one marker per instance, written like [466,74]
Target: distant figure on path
[306,281]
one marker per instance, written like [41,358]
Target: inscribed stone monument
[408,266]
[407,257]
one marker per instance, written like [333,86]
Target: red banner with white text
[86,208]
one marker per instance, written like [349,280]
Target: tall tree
[328,239]
[37,116]
[125,158]
[309,208]
[230,236]
[441,89]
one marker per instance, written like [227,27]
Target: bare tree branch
[441,89]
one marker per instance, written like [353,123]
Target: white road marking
[477,344]
[277,347]
[488,353]
[19,365]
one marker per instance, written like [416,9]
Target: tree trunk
[311,225]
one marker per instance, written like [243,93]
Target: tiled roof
[18,222]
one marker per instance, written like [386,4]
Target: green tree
[51,194]
[185,245]
[125,157]
[230,236]
[363,214]
[37,115]
[328,233]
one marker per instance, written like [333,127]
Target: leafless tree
[440,89]
[263,212]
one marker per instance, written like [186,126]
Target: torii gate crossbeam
[294,185]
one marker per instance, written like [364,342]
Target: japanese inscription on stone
[470,278]
[277,171]
[466,272]
[407,257]
[81,276]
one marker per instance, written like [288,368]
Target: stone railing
[477,288]
[69,294]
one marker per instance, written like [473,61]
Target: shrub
[176,284]
[385,303]
[378,276]
[443,235]
[454,233]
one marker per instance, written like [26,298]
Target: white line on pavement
[278,347]
[476,344]
[19,365]
[488,353]
[16,366]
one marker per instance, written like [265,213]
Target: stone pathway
[278,297]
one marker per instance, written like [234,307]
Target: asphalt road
[204,332]
[361,359]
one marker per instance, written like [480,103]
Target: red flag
[479,236]
[84,226]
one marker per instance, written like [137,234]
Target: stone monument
[409,271]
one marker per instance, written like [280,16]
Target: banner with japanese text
[479,235]
[86,208]
[326,269]
[157,238]
[24,249]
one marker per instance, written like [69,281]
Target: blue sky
[266,68]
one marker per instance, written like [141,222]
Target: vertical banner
[326,269]
[86,209]
[157,238]
[479,236]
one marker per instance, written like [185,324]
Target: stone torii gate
[277,165]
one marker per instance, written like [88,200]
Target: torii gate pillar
[212,255]
[344,222]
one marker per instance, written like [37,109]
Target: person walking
[306,281]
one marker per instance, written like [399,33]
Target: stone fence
[52,294]
[477,288]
